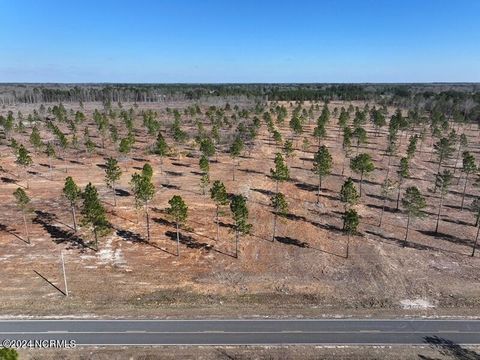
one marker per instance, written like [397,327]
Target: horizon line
[245,83]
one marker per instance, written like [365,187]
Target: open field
[303,272]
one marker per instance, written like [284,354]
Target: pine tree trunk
[438,172]
[361,181]
[383,210]
[26,178]
[398,197]
[475,243]
[236,244]
[464,190]
[388,165]
[274,225]
[439,212]
[148,222]
[114,195]
[406,233]
[74,216]
[456,161]
[26,227]
[218,224]
[348,246]
[96,237]
[178,240]
[319,188]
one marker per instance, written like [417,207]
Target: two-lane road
[244,332]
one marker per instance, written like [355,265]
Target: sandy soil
[303,273]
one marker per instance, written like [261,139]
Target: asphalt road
[244,332]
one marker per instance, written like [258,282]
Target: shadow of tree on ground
[451,349]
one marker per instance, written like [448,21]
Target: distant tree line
[448,98]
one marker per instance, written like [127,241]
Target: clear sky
[239,41]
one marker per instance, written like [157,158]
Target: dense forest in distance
[452,95]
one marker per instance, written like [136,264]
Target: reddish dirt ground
[304,272]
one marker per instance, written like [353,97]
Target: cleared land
[304,272]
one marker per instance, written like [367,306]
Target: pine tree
[403,173]
[414,203]
[288,148]
[219,195]
[238,207]
[125,145]
[88,143]
[469,167]
[112,175]
[281,172]
[277,137]
[93,213]
[362,164]
[462,144]
[72,193]
[178,134]
[24,159]
[476,210]
[346,145]
[378,120]
[320,132]
[113,134]
[442,182]
[444,150]
[205,168]
[207,147]
[296,125]
[360,134]
[392,145]
[143,190]
[7,123]
[350,224]
[348,193]
[14,145]
[50,152]
[179,212]
[475,207]
[305,147]
[35,139]
[161,148]
[23,202]
[147,171]
[322,166]
[387,189]
[343,119]
[235,150]
[280,208]
[412,146]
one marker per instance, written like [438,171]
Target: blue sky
[239,41]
